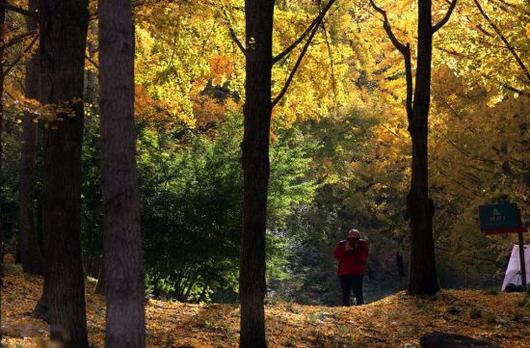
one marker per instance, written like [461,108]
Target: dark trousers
[349,283]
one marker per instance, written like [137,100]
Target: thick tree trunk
[422,276]
[255,147]
[62,55]
[29,241]
[123,264]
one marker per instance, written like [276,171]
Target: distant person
[352,254]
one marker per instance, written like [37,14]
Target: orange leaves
[390,322]
[221,68]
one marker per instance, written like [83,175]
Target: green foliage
[191,187]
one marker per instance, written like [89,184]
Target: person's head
[353,234]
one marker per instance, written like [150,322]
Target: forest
[194,165]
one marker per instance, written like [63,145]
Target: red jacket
[352,262]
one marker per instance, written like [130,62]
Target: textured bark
[124,288]
[2,79]
[255,147]
[29,243]
[422,275]
[2,21]
[62,56]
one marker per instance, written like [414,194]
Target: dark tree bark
[259,18]
[422,275]
[29,241]
[2,80]
[123,266]
[255,147]
[62,55]
[2,22]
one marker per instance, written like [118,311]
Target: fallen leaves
[395,321]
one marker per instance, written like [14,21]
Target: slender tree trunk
[2,21]
[62,55]
[123,264]
[29,241]
[422,275]
[255,147]
[2,80]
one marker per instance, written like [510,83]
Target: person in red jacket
[352,254]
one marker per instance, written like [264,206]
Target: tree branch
[504,40]
[444,20]
[331,64]
[233,33]
[16,9]
[318,19]
[295,68]
[12,65]
[386,25]
[17,39]
[91,61]
[405,51]
[408,78]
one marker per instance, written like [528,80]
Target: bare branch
[91,61]
[233,33]
[295,68]
[316,22]
[17,59]
[16,9]
[516,90]
[17,39]
[405,51]
[504,40]
[444,20]
[386,25]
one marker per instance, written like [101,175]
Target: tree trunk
[62,55]
[2,24]
[29,241]
[255,147]
[2,80]
[124,293]
[422,276]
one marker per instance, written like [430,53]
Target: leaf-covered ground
[392,322]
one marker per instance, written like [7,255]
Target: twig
[504,40]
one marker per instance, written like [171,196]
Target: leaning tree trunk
[422,276]
[62,55]
[255,147]
[123,267]
[29,241]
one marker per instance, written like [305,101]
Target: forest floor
[395,321]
